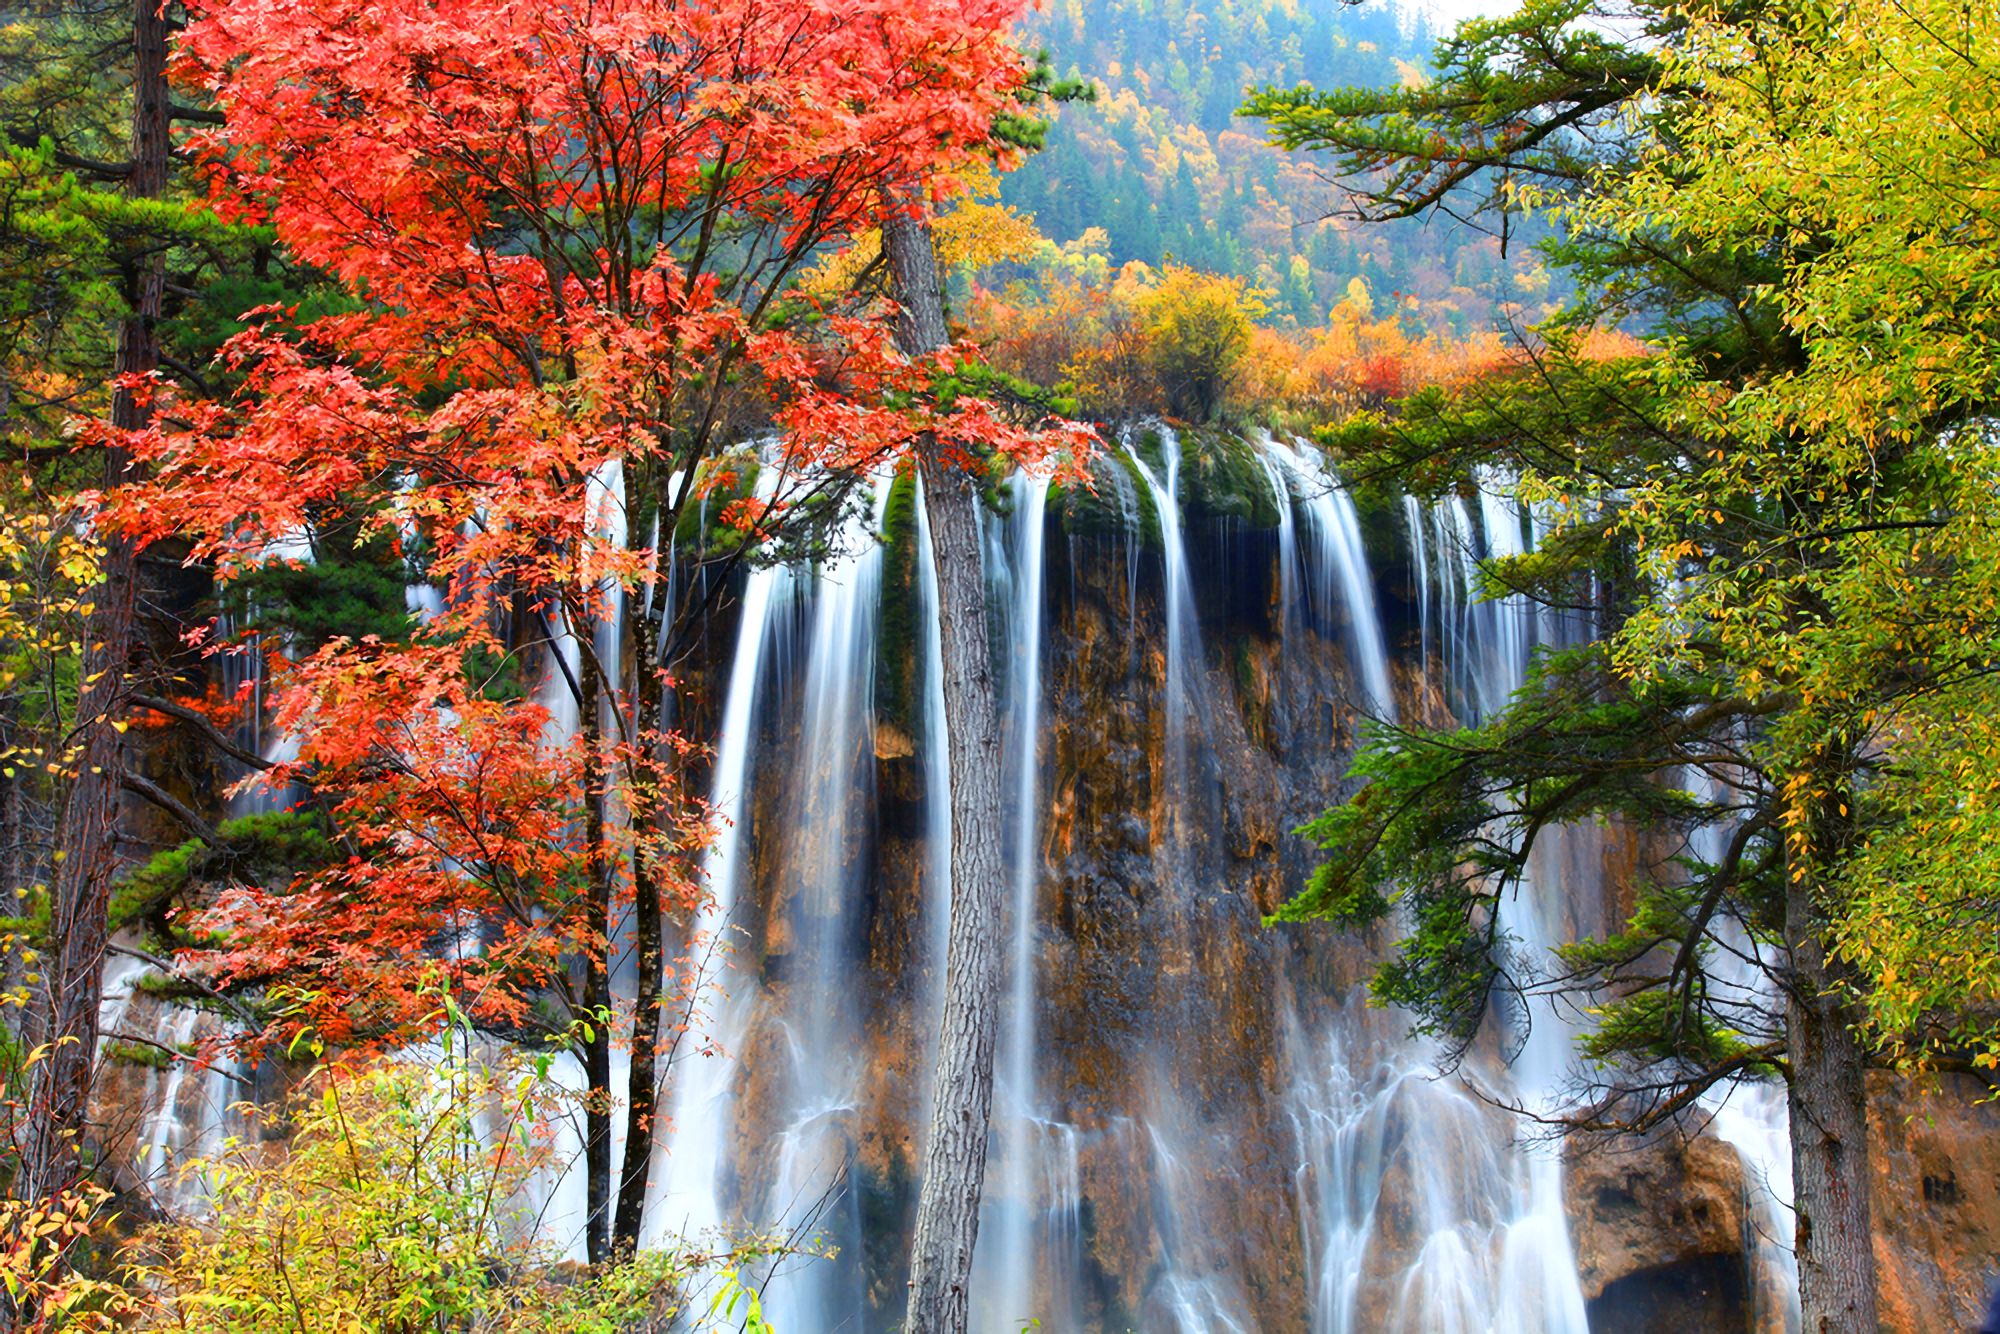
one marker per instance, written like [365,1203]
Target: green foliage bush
[400,1202]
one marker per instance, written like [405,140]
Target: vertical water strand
[1338,1179]
[558,1191]
[1288,542]
[1358,589]
[688,1188]
[1366,1106]
[1336,559]
[1752,1117]
[1420,1209]
[606,530]
[1751,1114]
[831,812]
[1457,554]
[1032,1204]
[936,755]
[1187,1282]
[181,1119]
[1132,525]
[605,496]
[1538,1281]
[1195,1289]
[1415,518]
[1183,637]
[1505,627]
[1289,619]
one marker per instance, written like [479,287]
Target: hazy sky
[1442,13]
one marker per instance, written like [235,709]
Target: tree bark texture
[1829,1114]
[52,1159]
[647,691]
[955,1149]
[597,1169]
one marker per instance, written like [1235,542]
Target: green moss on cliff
[699,529]
[266,849]
[125,1052]
[1118,503]
[1222,478]
[1151,447]
[896,627]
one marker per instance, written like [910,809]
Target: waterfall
[1291,615]
[1031,1204]
[936,754]
[688,1188]
[830,805]
[1538,1269]
[1416,520]
[1137,1179]
[1484,1236]
[1457,565]
[1183,634]
[1195,1290]
[1338,560]
[1751,1115]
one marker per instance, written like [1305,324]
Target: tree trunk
[597,1081]
[955,1150]
[1835,1240]
[87,840]
[649,948]
[596,987]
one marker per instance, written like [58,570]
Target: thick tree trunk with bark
[1829,1112]
[88,837]
[955,1151]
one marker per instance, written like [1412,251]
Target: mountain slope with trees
[1162,163]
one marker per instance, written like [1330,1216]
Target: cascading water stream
[831,805]
[1751,1115]
[1416,519]
[1482,1203]
[936,754]
[1183,645]
[1195,1291]
[1338,559]
[1291,618]
[1028,1238]
[1414,1206]
[690,1181]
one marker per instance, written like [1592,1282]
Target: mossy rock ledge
[1221,479]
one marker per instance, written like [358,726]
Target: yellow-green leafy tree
[1785,514]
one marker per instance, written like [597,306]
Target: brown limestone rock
[1658,1229]
[1937,1200]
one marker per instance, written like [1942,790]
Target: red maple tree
[569,235]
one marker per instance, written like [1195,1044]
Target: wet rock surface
[1643,1211]
[1936,1155]
[1218,1110]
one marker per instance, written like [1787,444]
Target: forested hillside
[1165,166]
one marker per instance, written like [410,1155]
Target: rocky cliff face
[1224,1135]
[1214,1131]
